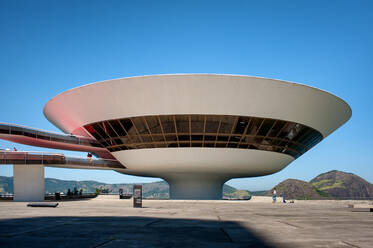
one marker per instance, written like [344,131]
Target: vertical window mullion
[177,136]
[234,125]
[127,134]
[137,131]
[160,123]
[217,132]
[147,127]
[204,130]
[112,138]
[190,130]
[244,132]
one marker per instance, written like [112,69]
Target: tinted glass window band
[217,131]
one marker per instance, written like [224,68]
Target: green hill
[258,193]
[330,185]
[339,184]
[297,189]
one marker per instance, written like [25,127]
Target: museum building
[196,131]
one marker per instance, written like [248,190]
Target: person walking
[274,195]
[89,156]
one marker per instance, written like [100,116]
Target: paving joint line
[152,222]
[283,222]
[226,234]
[347,243]
[103,243]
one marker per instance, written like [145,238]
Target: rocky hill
[330,185]
[297,189]
[340,184]
[150,190]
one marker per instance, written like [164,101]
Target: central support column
[28,182]
[195,187]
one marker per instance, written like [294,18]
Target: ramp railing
[14,129]
[47,158]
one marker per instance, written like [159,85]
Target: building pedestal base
[28,182]
[195,188]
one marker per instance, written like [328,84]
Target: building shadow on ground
[125,232]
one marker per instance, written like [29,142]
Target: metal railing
[14,129]
[47,158]
[30,157]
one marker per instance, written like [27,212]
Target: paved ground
[109,222]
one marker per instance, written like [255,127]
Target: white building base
[195,188]
[198,173]
[28,182]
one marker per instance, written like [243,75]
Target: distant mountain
[258,193]
[156,189]
[297,189]
[6,184]
[55,185]
[238,194]
[233,193]
[330,185]
[150,190]
[340,184]
[228,189]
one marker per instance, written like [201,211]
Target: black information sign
[120,193]
[137,196]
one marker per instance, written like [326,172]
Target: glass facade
[218,131]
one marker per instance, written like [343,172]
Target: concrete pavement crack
[103,243]
[286,223]
[152,222]
[226,234]
[347,243]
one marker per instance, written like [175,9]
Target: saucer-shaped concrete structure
[197,131]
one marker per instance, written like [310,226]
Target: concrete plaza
[107,221]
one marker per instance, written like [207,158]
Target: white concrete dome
[161,125]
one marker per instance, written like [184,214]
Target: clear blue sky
[47,47]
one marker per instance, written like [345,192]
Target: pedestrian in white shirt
[274,195]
